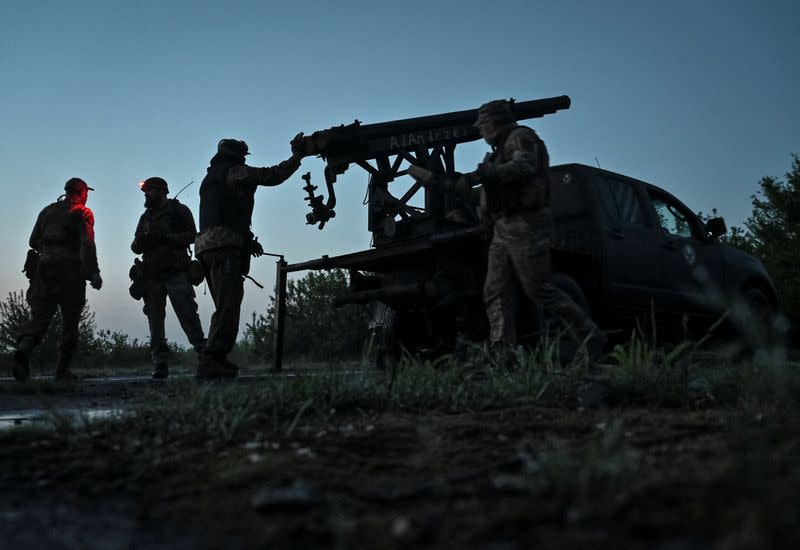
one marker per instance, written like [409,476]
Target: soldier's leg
[71,302]
[532,262]
[184,303]
[155,299]
[42,310]
[227,288]
[498,290]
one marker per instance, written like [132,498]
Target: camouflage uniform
[63,237]
[163,236]
[225,242]
[515,197]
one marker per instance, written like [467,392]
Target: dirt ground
[529,476]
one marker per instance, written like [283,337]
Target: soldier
[225,243]
[515,198]
[165,231]
[62,258]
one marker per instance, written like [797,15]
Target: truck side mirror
[716,227]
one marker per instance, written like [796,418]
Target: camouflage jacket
[163,236]
[514,175]
[64,238]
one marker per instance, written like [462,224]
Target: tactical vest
[171,216]
[165,259]
[223,204]
[510,197]
[60,231]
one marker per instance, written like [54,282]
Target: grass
[589,480]
[643,373]
[651,373]
[593,471]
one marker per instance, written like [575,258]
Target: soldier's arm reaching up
[269,176]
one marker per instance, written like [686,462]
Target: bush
[95,348]
[315,328]
[15,312]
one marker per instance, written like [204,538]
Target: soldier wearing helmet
[163,236]
[62,258]
[225,243]
[515,199]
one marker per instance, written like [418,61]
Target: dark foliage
[315,328]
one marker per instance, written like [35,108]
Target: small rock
[400,526]
[297,496]
[305,451]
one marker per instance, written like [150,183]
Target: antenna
[597,161]
[182,188]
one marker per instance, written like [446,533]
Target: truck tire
[404,331]
[571,288]
[759,328]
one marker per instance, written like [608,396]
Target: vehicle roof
[601,171]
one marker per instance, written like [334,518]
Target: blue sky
[700,98]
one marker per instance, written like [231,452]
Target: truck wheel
[571,288]
[758,326]
[568,348]
[410,331]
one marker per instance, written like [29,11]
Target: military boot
[63,372]
[213,367]
[22,357]
[502,356]
[160,371]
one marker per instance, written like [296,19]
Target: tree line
[772,233]
[316,330]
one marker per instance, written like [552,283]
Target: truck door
[691,269]
[633,278]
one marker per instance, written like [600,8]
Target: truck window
[672,215]
[621,203]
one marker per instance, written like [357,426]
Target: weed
[646,370]
[588,481]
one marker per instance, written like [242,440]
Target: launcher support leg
[280,312]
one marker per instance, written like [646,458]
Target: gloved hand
[255,248]
[486,172]
[462,186]
[301,147]
[96,281]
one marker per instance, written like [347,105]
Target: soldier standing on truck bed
[62,258]
[225,243]
[515,197]
[165,231]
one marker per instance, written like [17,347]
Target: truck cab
[638,252]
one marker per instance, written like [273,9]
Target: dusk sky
[701,98]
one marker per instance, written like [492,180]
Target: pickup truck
[626,251]
[632,251]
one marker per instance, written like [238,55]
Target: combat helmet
[498,111]
[155,183]
[232,148]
